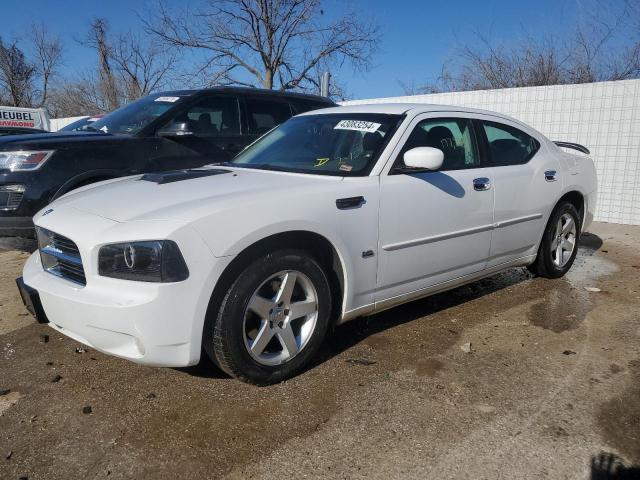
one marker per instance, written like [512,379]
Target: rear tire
[559,244]
[272,319]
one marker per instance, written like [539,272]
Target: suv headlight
[24,161]
[149,261]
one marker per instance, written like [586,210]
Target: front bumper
[148,323]
[31,301]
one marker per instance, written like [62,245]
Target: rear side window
[454,136]
[508,145]
[263,115]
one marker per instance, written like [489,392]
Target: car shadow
[204,369]
[441,181]
[352,333]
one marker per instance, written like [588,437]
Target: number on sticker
[357,125]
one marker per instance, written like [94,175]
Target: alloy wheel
[280,317]
[563,242]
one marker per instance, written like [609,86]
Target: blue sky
[417,35]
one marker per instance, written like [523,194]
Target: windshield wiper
[258,166]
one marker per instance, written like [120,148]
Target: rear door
[526,185]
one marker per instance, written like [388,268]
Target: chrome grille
[60,256]
[11,196]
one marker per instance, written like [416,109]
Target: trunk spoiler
[575,146]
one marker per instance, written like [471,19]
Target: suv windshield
[131,118]
[331,144]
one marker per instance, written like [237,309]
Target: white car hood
[132,198]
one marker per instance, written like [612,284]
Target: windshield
[131,118]
[331,144]
[77,126]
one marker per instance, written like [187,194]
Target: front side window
[212,116]
[508,145]
[133,117]
[263,115]
[332,144]
[454,136]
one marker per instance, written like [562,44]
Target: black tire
[543,265]
[224,337]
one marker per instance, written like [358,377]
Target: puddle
[563,308]
[619,418]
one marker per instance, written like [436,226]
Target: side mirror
[176,129]
[423,158]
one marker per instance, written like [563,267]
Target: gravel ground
[550,389]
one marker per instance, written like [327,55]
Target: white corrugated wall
[604,116]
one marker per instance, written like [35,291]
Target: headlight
[22,161]
[149,261]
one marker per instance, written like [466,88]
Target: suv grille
[60,256]
[11,196]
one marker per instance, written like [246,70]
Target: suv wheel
[559,244]
[272,319]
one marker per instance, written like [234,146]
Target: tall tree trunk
[268,79]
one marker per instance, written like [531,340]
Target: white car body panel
[428,232]
[415,246]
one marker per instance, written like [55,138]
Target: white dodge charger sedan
[332,215]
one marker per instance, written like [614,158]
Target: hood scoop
[180,175]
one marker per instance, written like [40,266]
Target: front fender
[229,231]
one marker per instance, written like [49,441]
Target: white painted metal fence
[604,116]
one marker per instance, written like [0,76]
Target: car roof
[402,108]
[251,91]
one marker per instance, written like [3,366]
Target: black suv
[164,131]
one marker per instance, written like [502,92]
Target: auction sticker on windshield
[167,99]
[358,125]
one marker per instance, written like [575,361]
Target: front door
[434,226]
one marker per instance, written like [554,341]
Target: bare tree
[16,76]
[267,43]
[97,39]
[593,52]
[129,67]
[48,53]
[143,65]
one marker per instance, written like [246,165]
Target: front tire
[272,319]
[559,244]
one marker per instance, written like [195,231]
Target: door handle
[481,184]
[550,175]
[351,202]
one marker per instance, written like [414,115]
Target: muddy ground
[551,389]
